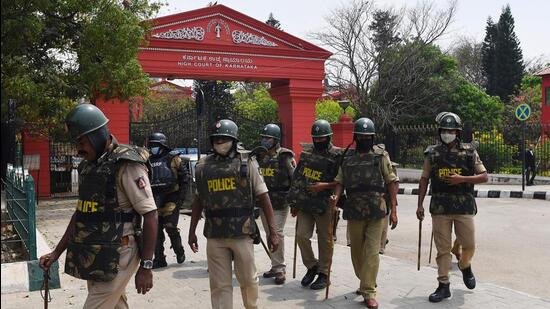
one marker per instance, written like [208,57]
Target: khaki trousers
[384,234]
[112,294]
[277,257]
[306,223]
[465,236]
[365,244]
[220,252]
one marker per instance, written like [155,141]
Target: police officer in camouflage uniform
[276,166]
[228,181]
[453,168]
[113,195]
[313,182]
[170,183]
[364,174]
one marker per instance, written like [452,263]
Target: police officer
[364,173]
[169,183]
[276,166]
[113,194]
[228,180]
[313,182]
[453,168]
[384,240]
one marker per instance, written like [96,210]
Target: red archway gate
[219,43]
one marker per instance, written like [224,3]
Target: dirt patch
[12,246]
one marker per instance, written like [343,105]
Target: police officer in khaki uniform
[276,166]
[312,185]
[363,174]
[114,193]
[384,240]
[453,168]
[227,183]
[170,182]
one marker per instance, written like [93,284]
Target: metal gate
[63,169]
[183,131]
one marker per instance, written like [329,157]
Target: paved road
[502,283]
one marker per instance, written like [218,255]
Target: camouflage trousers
[168,218]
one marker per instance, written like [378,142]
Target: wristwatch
[146,264]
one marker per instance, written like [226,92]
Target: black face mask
[321,146]
[364,144]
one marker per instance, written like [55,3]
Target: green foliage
[495,152]
[542,156]
[259,106]
[218,100]
[331,111]
[55,52]
[473,104]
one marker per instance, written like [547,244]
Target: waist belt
[228,212]
[366,189]
[106,217]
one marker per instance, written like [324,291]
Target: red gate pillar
[296,99]
[35,144]
[343,131]
[118,113]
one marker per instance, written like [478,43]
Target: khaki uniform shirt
[130,195]
[479,168]
[385,168]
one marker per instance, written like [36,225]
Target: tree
[473,104]
[161,106]
[502,57]
[55,52]
[273,22]
[330,110]
[355,65]
[259,106]
[468,54]
[218,101]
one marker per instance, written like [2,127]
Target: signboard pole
[523,156]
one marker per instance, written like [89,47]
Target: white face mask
[448,138]
[223,149]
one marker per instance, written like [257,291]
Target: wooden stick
[419,243]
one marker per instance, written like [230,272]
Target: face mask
[364,144]
[155,150]
[267,143]
[321,146]
[447,138]
[223,149]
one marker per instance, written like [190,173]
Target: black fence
[499,147]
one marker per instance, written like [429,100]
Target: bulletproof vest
[364,184]
[164,179]
[446,198]
[225,193]
[314,167]
[92,251]
[277,177]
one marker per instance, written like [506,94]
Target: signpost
[522,112]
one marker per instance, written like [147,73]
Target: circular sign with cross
[523,111]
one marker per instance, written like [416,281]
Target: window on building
[547,90]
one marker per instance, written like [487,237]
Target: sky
[300,17]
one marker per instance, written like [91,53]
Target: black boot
[468,277]
[310,275]
[160,259]
[159,262]
[175,239]
[320,283]
[440,293]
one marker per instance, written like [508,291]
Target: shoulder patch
[379,149]
[140,182]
